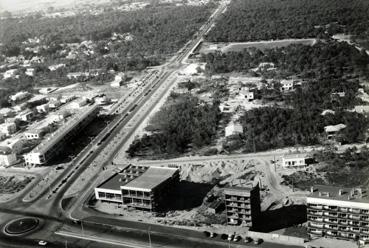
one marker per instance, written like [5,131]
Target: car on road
[42,243]
[258,241]
[212,235]
[230,237]
[248,239]
[236,238]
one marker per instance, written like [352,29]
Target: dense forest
[346,169]
[180,125]
[249,20]
[154,32]
[322,60]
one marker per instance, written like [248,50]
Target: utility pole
[150,245]
[83,232]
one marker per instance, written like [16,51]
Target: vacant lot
[11,184]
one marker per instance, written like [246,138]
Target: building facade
[54,143]
[294,160]
[341,213]
[140,187]
[242,205]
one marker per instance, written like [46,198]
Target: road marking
[100,240]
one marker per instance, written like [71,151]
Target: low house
[44,108]
[20,107]
[7,158]
[10,74]
[66,99]
[332,130]
[30,72]
[7,112]
[8,128]
[25,116]
[14,144]
[78,104]
[287,85]
[233,129]
[246,94]
[54,104]
[19,96]
[118,80]
[294,160]
[34,134]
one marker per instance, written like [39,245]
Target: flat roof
[114,182]
[340,193]
[151,178]
[55,137]
[244,190]
[294,155]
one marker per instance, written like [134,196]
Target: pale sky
[31,5]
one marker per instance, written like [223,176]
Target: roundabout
[21,226]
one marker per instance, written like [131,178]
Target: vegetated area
[326,59]
[322,70]
[183,123]
[92,45]
[13,184]
[347,169]
[249,20]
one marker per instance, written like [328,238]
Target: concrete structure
[20,107]
[44,108]
[25,116]
[139,187]
[242,205]
[332,130]
[19,96]
[53,144]
[34,134]
[15,145]
[246,94]
[78,103]
[233,129]
[7,158]
[8,128]
[341,213]
[294,160]
[287,85]
[54,104]
[6,112]
[10,73]
[118,80]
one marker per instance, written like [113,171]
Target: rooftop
[340,193]
[244,190]
[294,155]
[54,138]
[151,178]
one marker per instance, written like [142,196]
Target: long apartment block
[341,213]
[54,143]
[242,205]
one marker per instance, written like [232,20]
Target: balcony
[317,225]
[334,221]
[343,209]
[364,224]
[335,215]
[333,227]
[317,232]
[313,206]
[355,210]
[355,229]
[354,217]
[313,212]
[366,231]
[332,208]
[330,233]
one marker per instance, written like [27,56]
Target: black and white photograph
[184,123]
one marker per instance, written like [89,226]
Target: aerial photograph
[184,123]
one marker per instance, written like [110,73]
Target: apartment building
[341,213]
[140,187]
[54,143]
[242,205]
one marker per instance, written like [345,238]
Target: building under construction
[242,205]
[139,187]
